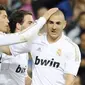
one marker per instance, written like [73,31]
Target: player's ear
[64,24]
[18,27]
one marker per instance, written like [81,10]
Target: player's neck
[53,40]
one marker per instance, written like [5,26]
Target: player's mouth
[53,32]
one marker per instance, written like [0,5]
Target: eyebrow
[50,21]
[30,21]
[53,21]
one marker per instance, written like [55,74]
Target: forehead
[28,17]
[56,18]
[3,13]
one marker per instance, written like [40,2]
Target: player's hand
[49,13]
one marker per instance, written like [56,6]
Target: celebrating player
[13,69]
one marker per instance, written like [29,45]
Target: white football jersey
[52,61]
[13,69]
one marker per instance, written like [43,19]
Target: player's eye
[58,23]
[4,16]
[30,22]
[50,22]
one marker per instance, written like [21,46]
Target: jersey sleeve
[26,35]
[73,61]
[20,48]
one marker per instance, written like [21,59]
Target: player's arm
[28,80]
[28,33]
[69,79]
[72,64]
[16,49]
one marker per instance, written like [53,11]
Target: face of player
[27,21]
[4,27]
[55,26]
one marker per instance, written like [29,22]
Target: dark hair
[2,7]
[17,17]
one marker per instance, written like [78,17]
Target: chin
[54,37]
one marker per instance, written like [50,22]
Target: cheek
[61,27]
[1,19]
[48,30]
[26,25]
[49,27]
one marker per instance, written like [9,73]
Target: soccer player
[56,59]
[13,69]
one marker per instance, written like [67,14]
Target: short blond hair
[59,12]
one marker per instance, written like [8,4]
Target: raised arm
[29,33]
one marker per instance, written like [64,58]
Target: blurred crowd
[74,11]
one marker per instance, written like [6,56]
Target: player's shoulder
[70,43]
[73,49]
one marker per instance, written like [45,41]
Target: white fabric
[52,61]
[13,69]
[26,35]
